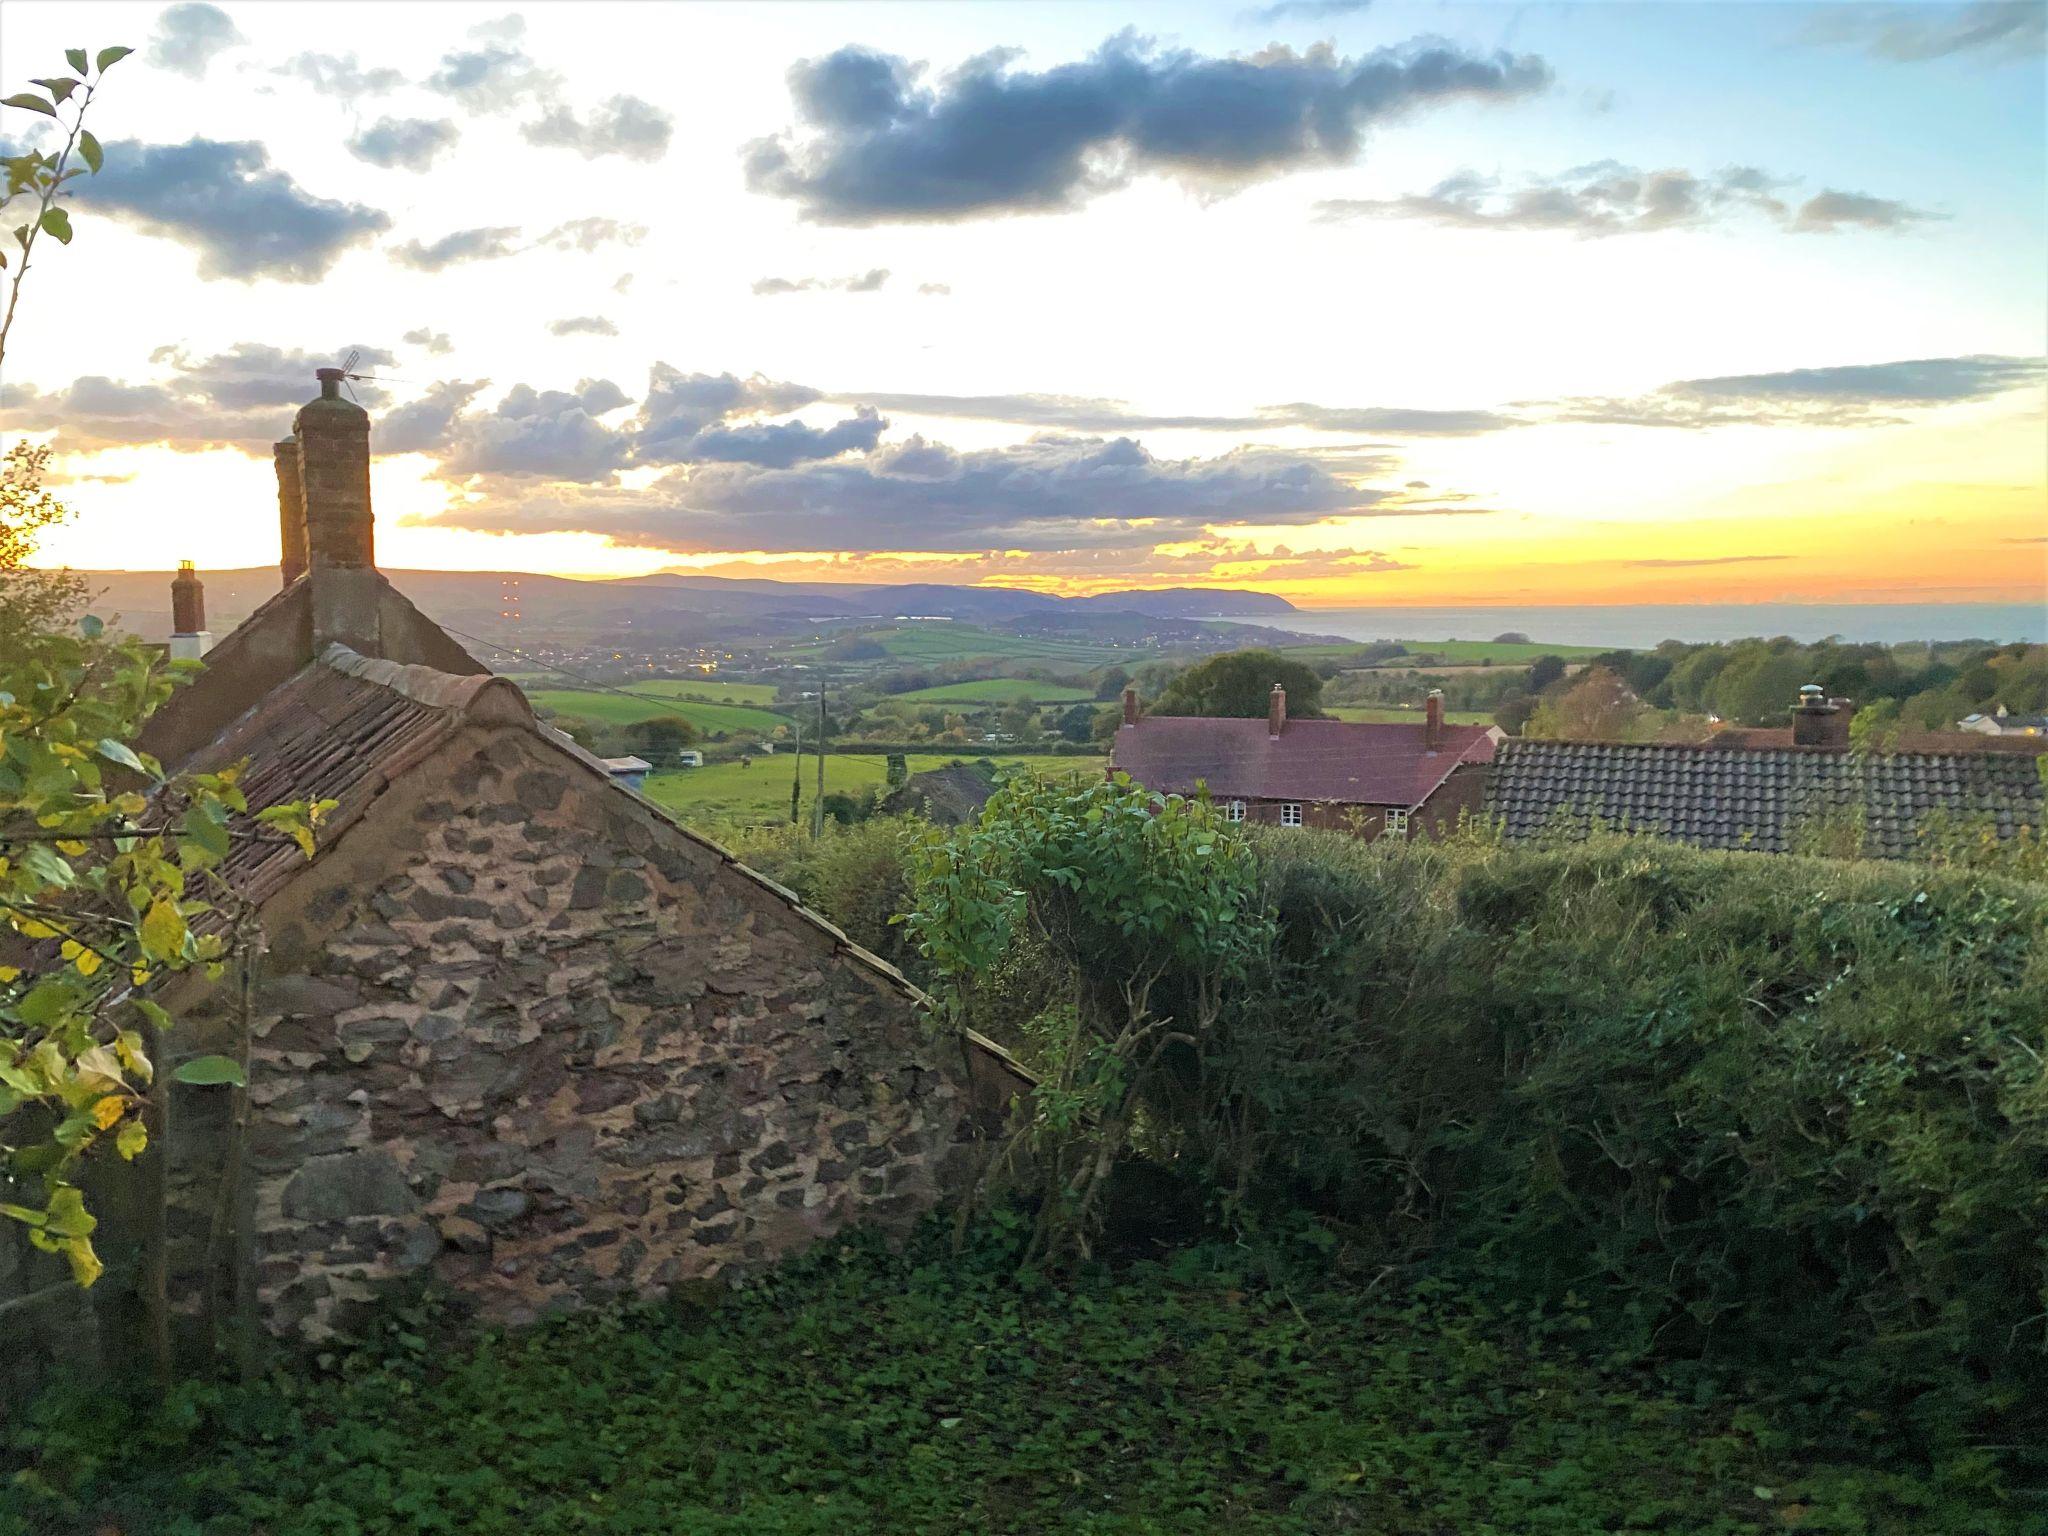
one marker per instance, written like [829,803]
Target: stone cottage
[513,1027]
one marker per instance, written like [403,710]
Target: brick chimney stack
[1276,712]
[1819,721]
[1433,721]
[1130,706]
[291,511]
[334,478]
[190,638]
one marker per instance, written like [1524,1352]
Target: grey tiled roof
[1763,800]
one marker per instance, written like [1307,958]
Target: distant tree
[1513,712]
[1077,724]
[1597,707]
[1511,637]
[1239,685]
[1544,671]
[856,648]
[32,601]
[660,737]
[1875,727]
[1112,683]
[897,771]
[1105,724]
[1019,718]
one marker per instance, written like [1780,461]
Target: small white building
[629,771]
[690,758]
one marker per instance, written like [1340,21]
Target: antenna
[348,372]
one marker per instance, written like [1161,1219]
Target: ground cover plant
[1258,1390]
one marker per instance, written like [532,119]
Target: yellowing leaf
[85,1264]
[31,928]
[108,1111]
[72,846]
[10,973]
[163,929]
[132,1141]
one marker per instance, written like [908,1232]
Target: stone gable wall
[517,1033]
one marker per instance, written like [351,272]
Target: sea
[1640,626]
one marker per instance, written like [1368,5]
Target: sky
[1359,303]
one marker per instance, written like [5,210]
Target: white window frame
[1291,813]
[1233,811]
[1397,820]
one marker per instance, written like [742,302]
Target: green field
[1382,714]
[959,642]
[759,791]
[998,690]
[647,700]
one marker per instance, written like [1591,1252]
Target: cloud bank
[878,145]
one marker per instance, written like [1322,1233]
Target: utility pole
[796,783]
[818,747]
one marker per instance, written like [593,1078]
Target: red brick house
[1349,776]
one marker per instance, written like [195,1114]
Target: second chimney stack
[1433,721]
[334,476]
[1130,706]
[291,511]
[1276,711]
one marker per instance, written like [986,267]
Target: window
[1397,821]
[1234,811]
[1290,813]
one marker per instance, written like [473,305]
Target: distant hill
[667,605]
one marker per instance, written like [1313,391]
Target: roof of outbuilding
[1719,797]
[1339,761]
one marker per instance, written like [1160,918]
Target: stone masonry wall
[518,1033]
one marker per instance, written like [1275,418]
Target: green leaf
[29,102]
[58,223]
[115,752]
[89,149]
[59,88]
[75,57]
[111,56]
[206,1071]
[92,626]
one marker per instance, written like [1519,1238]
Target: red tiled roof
[1341,761]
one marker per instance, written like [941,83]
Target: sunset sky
[1357,303]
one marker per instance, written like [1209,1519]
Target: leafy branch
[41,177]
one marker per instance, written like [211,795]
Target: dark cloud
[486,244]
[582,325]
[341,76]
[404,143]
[680,405]
[879,145]
[625,126]
[1053,492]
[547,434]
[225,201]
[1307,10]
[189,37]
[779,444]
[434,341]
[1609,198]
[424,425]
[1081,413]
[870,281]
[1826,212]
[1997,31]
[244,397]
[587,235]
[1856,394]
[495,75]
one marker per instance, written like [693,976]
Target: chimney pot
[189,637]
[1819,721]
[330,382]
[1276,711]
[1130,706]
[1433,721]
